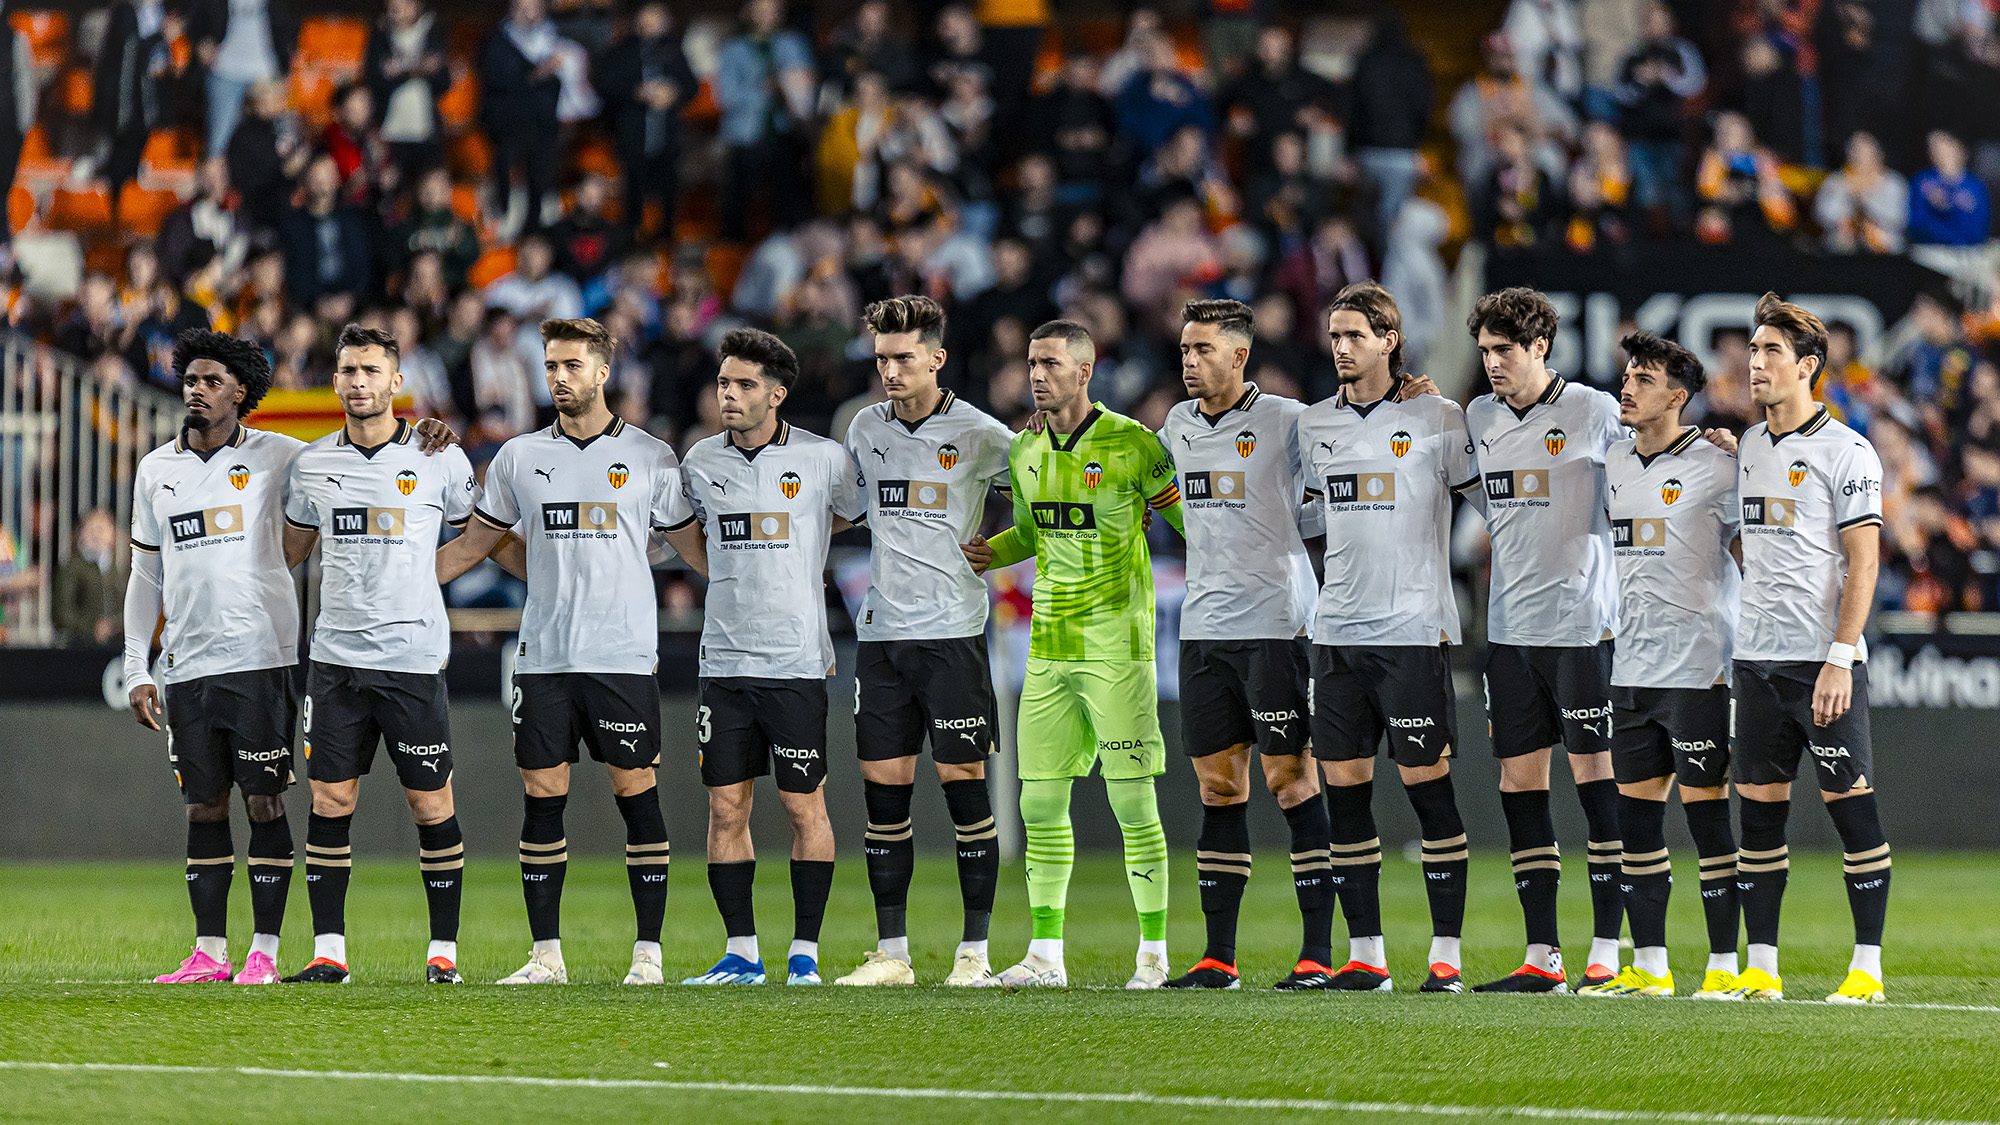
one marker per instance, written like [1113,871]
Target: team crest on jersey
[1399,442]
[947,456]
[1246,443]
[618,474]
[1671,491]
[789,485]
[239,475]
[406,481]
[1555,439]
[1093,474]
[1797,475]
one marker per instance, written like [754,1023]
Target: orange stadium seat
[75,92]
[334,42]
[491,267]
[144,211]
[465,202]
[470,155]
[47,35]
[20,208]
[594,156]
[312,94]
[80,210]
[460,103]
[724,262]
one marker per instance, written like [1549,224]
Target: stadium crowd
[677,180]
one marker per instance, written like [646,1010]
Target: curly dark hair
[917,314]
[772,355]
[245,361]
[1647,350]
[1518,314]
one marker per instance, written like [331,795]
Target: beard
[580,403]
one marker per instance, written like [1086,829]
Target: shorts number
[701,727]
[1732,718]
[514,710]
[857,695]
[306,714]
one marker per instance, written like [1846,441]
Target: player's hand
[1146,519]
[145,701]
[433,436]
[1721,439]
[1414,385]
[979,553]
[1833,694]
[1038,421]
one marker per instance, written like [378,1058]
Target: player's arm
[691,543]
[512,555]
[482,539]
[1156,465]
[1833,694]
[1010,546]
[143,602]
[433,437]
[299,541]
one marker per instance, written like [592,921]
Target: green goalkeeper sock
[1051,851]
[1138,811]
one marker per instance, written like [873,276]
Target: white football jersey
[1800,491]
[1554,582]
[379,514]
[1241,476]
[1672,517]
[587,510]
[926,488]
[769,513]
[1383,474]
[217,522]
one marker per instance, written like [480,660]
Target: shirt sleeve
[1728,503]
[1857,486]
[145,522]
[299,509]
[1461,468]
[496,504]
[1154,464]
[671,510]
[1017,542]
[460,486]
[847,493]
[999,441]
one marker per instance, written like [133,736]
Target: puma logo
[171,488]
[1698,763]
[1326,445]
[1485,445]
[1614,492]
[1038,472]
[881,456]
[1279,729]
[721,486]
[1418,739]
[1592,728]
[548,474]
[432,763]
[335,482]
[799,766]
[969,737]
[631,744]
[1188,440]
[1136,758]
[1147,874]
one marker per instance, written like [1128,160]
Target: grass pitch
[76,938]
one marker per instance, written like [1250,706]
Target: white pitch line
[1180,1101]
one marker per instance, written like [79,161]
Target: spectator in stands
[1275,96]
[502,379]
[405,70]
[1172,254]
[1499,94]
[1935,367]
[519,90]
[1284,202]
[586,241]
[433,226]
[267,154]
[1521,200]
[967,118]
[135,292]
[133,90]
[1600,192]
[1864,206]
[1610,31]
[296,364]
[1072,124]
[359,153]
[1390,105]
[1414,271]
[92,330]
[1160,99]
[764,87]
[208,219]
[535,292]
[241,43]
[88,605]
[425,290]
[646,81]
[1948,205]
[424,378]
[1773,97]
[1313,271]
[1019,291]
[452,343]
[1742,197]
[18,90]
[1548,41]
[1864,74]
[149,348]
[867,43]
[328,252]
[1134,53]
[1655,83]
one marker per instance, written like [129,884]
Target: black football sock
[1357,857]
[544,863]
[812,881]
[891,853]
[1221,871]
[1715,843]
[1646,876]
[441,861]
[1445,855]
[646,856]
[1761,868]
[971,806]
[1537,862]
[1606,847]
[329,864]
[1865,862]
[211,864]
[270,873]
[1312,877]
[731,883]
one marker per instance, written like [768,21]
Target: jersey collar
[1250,393]
[400,437]
[1677,447]
[1549,394]
[1096,411]
[944,403]
[750,454]
[616,427]
[1813,425]
[181,443]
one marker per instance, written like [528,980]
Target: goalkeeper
[1082,488]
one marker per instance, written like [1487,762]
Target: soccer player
[1540,444]
[771,496]
[585,493]
[377,505]
[926,461]
[1383,471]
[1082,487]
[1673,529]
[207,547]
[1812,512]
[1244,656]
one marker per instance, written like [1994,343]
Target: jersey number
[306,715]
[514,709]
[857,695]
[701,727]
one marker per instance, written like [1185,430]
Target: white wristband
[1840,655]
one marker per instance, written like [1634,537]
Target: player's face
[1776,373]
[1054,376]
[1357,351]
[209,392]
[1212,361]
[576,377]
[366,380]
[745,396]
[1646,395]
[908,367]
[1510,366]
